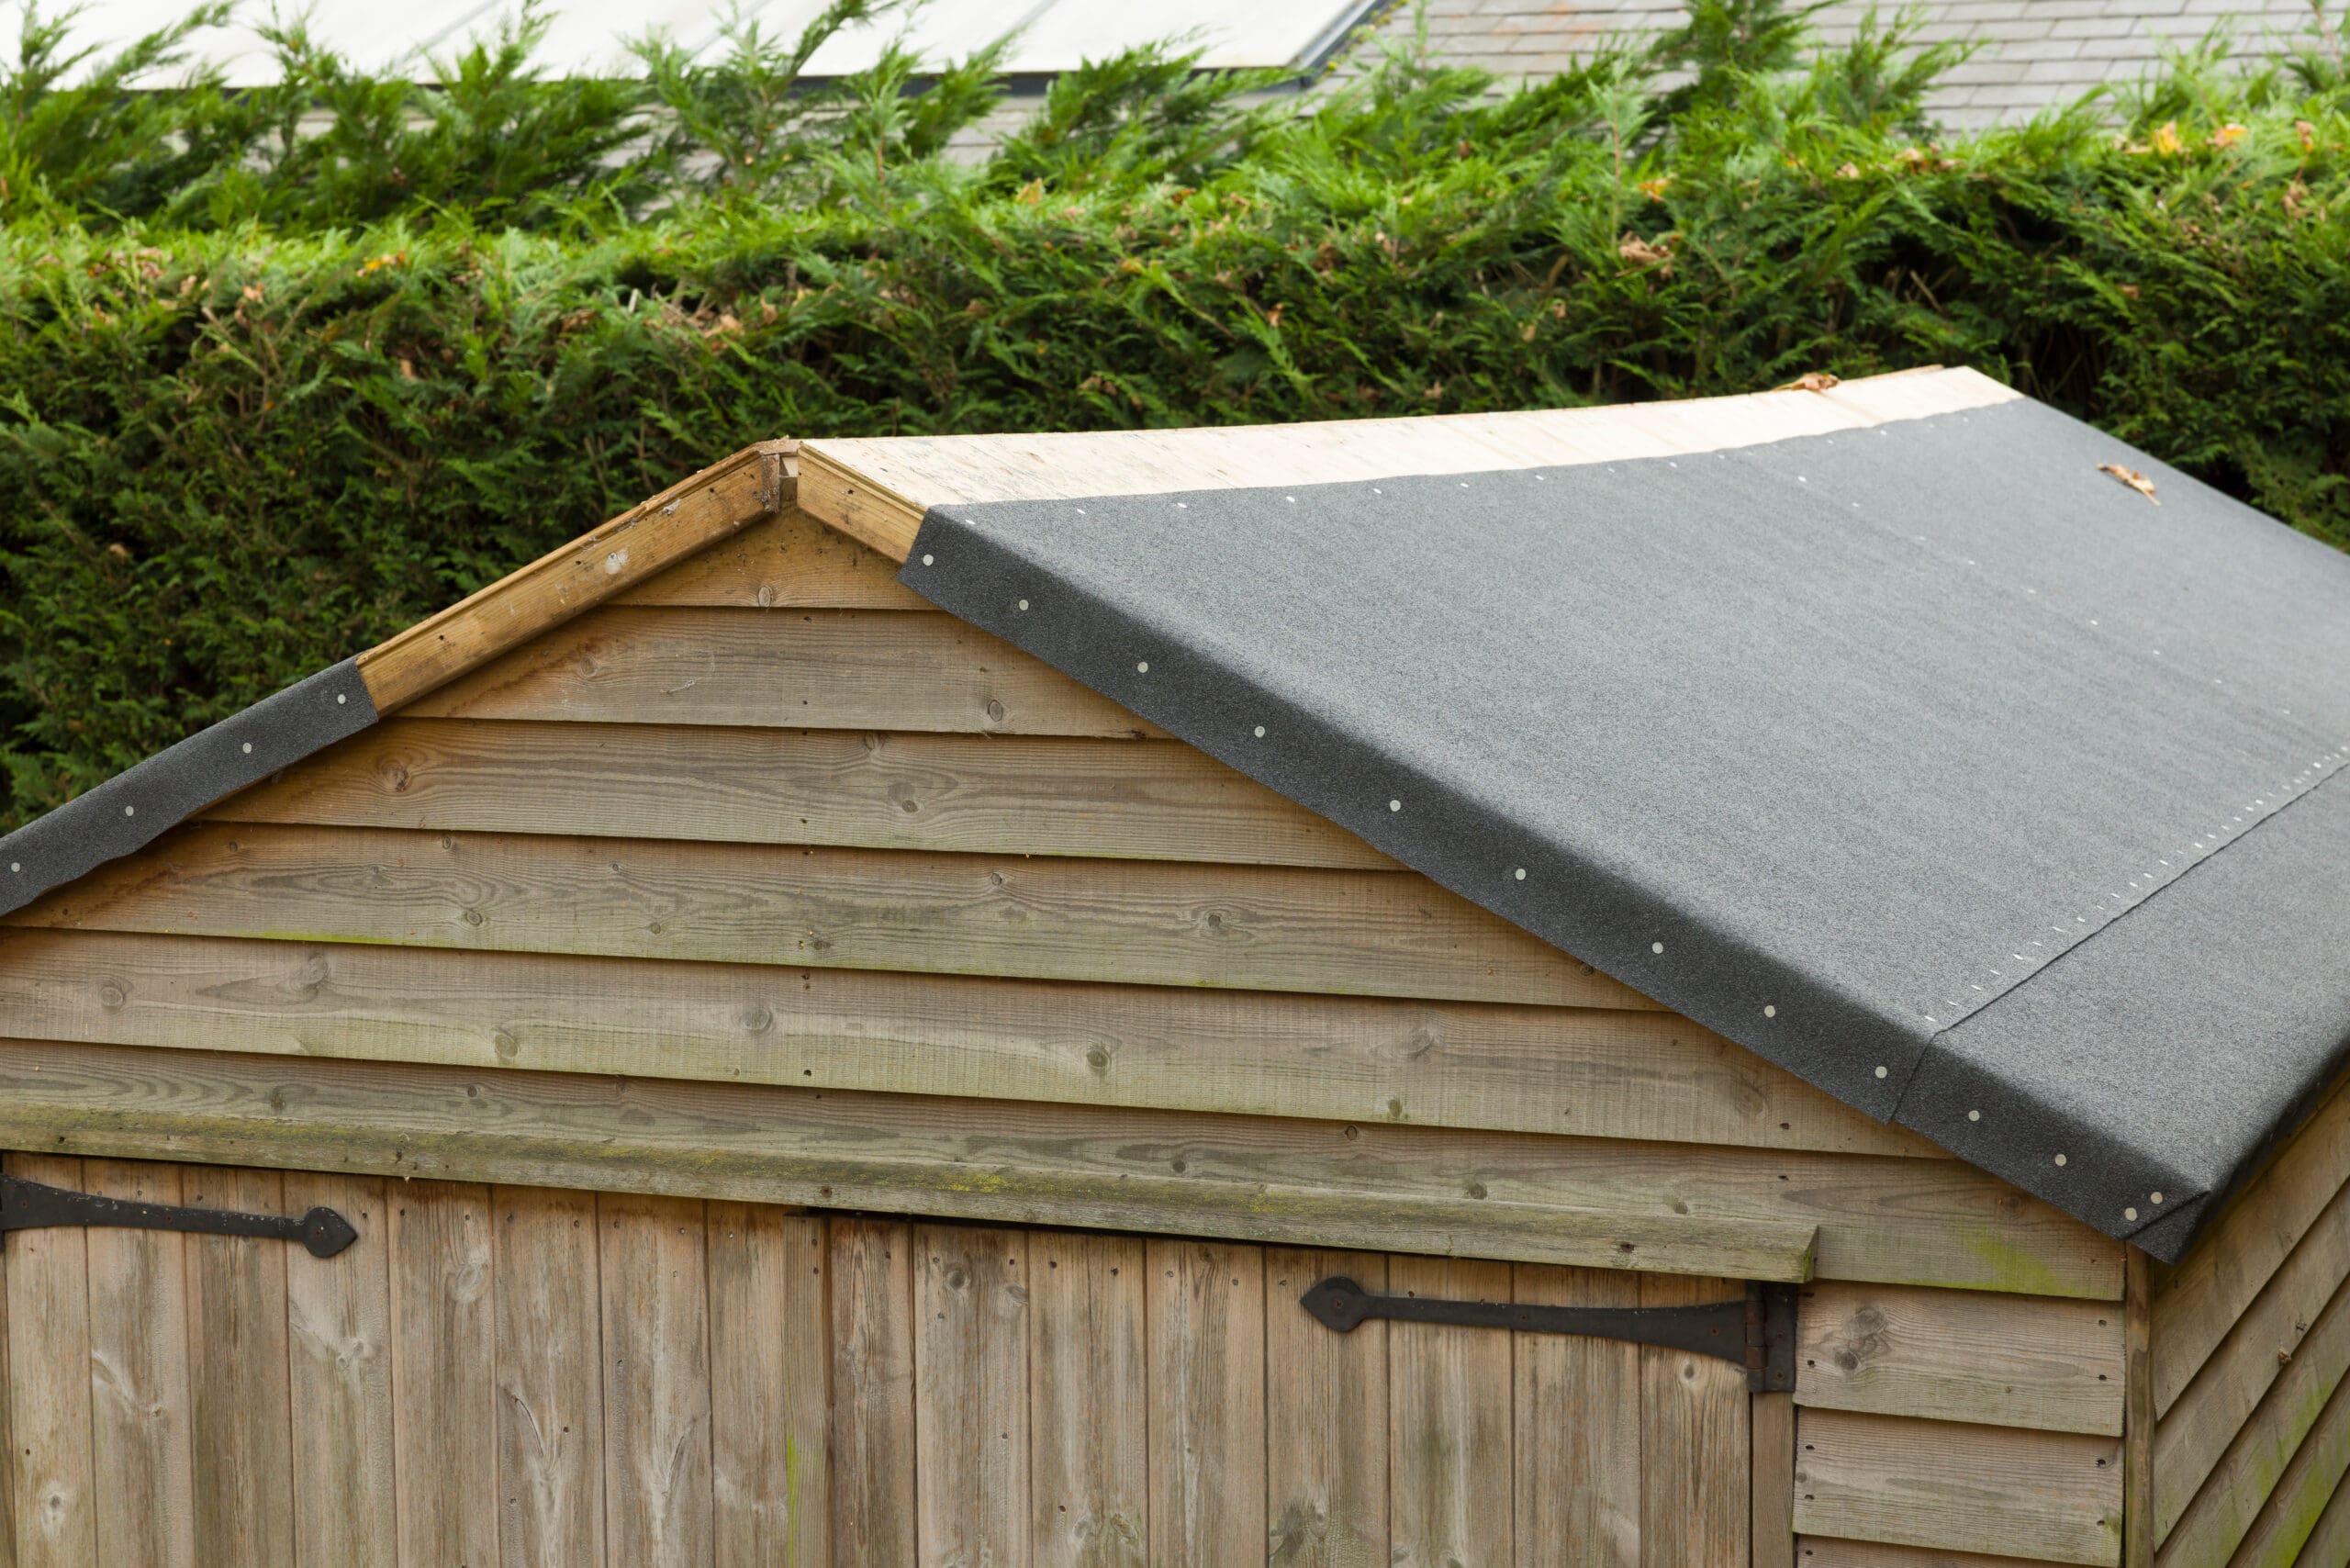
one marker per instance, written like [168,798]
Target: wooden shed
[1428,992]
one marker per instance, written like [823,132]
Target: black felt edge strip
[2116,1177]
[1813,1030]
[132,808]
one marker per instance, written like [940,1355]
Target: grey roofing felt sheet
[129,811]
[1927,761]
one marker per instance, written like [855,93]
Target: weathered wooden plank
[1697,1454]
[873,1393]
[980,794]
[1595,1073]
[653,1270]
[143,1461]
[338,1327]
[2197,1303]
[2234,1378]
[241,1391]
[1147,921]
[817,670]
[2203,1525]
[1514,1197]
[2137,1414]
[1448,1431]
[1205,1306]
[1326,1418]
[1088,1402]
[2001,1360]
[641,541]
[789,561]
[2299,1499]
[49,1384]
[1827,1552]
[770,1355]
[1772,1498]
[7,1436]
[1578,1426]
[444,1371]
[2329,1543]
[970,1395]
[544,1247]
[1996,1490]
[877,490]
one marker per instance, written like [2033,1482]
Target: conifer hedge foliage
[281,371]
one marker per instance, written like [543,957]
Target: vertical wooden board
[1326,1418]
[49,1390]
[770,1386]
[1695,1449]
[444,1362]
[240,1393]
[142,1459]
[1089,1421]
[339,1331]
[873,1394]
[1205,1305]
[1773,1506]
[2137,1415]
[550,1387]
[655,1275]
[1449,1442]
[1578,1429]
[970,1396]
[7,1435]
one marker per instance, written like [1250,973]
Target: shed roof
[1879,728]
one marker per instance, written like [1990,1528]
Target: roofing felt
[1928,761]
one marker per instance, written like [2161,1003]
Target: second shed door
[1083,1399]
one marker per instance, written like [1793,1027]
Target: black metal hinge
[31,1205]
[1756,1331]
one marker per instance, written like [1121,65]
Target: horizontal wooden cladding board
[1611,1074]
[788,562]
[2198,1302]
[877,490]
[2202,1519]
[835,669]
[652,534]
[1827,1552]
[982,794]
[1151,923]
[1996,1490]
[2000,1360]
[1677,1207]
[2263,1346]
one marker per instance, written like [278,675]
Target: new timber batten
[815,1082]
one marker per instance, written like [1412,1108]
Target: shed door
[522,1375]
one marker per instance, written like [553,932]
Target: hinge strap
[31,1205]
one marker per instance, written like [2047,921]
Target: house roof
[1916,752]
[1880,727]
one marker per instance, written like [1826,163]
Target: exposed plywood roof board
[1838,737]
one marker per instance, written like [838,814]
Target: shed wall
[763,885]
[2251,1343]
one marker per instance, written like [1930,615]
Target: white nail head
[1880,1071]
[1769,1011]
[129,811]
[1656,947]
[2060,1159]
[1142,667]
[1260,732]
[249,748]
[1023,604]
[1394,805]
[340,699]
[927,559]
[2154,1197]
[1520,873]
[1974,1115]
[2130,1214]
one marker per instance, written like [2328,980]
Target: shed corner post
[2137,1413]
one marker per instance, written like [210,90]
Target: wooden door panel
[509,1375]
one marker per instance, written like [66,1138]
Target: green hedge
[232,452]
